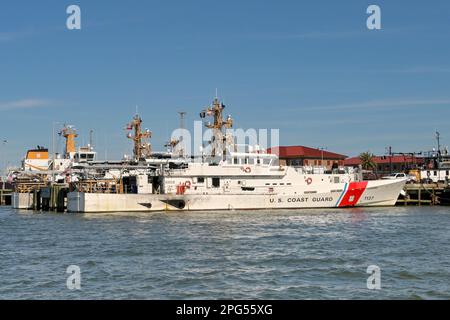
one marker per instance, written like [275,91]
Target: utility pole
[390,159]
[321,149]
[438,138]
[2,157]
[54,123]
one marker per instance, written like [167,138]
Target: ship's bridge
[84,154]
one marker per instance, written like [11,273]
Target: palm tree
[367,161]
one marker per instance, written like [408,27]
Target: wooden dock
[52,198]
[5,197]
[423,194]
[39,196]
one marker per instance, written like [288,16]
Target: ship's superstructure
[36,160]
[437,164]
[40,161]
[41,168]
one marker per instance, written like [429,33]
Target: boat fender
[309,181]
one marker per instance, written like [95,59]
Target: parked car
[400,175]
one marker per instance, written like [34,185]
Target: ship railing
[324,170]
[98,186]
[28,187]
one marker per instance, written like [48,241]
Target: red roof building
[306,156]
[386,164]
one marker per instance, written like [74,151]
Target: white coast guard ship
[38,168]
[237,180]
[38,160]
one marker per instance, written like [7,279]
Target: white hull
[355,194]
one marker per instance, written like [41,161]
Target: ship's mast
[218,140]
[438,139]
[142,149]
[175,145]
[69,133]
[91,140]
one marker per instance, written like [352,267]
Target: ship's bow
[382,192]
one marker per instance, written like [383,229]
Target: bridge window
[215,182]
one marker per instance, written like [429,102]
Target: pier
[39,196]
[52,198]
[425,194]
[5,197]
[6,190]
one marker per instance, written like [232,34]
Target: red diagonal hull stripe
[353,194]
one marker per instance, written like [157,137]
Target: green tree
[367,161]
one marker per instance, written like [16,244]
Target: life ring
[187,184]
[247,170]
[309,181]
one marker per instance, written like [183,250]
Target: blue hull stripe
[342,194]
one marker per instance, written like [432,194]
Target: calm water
[303,254]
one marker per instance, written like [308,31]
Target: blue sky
[310,68]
